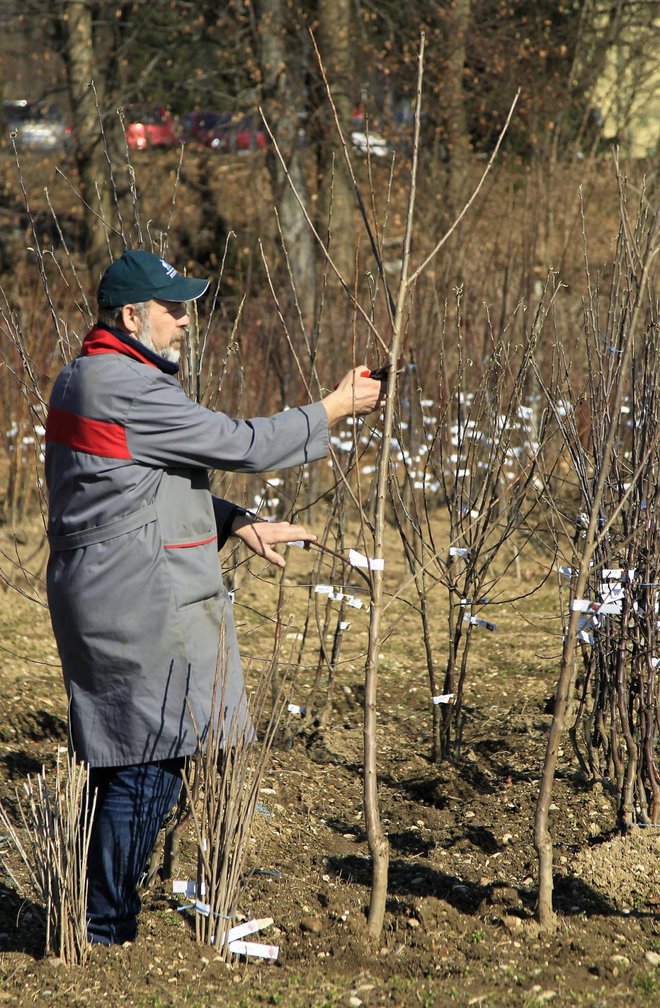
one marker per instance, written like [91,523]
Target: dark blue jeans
[131,805]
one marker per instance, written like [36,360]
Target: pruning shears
[380,373]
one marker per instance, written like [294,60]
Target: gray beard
[168,353]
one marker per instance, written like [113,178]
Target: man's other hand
[261,536]
[355,395]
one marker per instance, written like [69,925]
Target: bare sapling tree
[52,841]
[397,308]
[480,455]
[617,326]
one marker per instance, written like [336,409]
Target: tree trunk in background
[81,69]
[336,198]
[282,100]
[458,136]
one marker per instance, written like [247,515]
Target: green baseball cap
[142,276]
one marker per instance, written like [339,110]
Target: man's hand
[356,394]
[261,536]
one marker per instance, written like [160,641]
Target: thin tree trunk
[458,136]
[336,199]
[282,100]
[378,842]
[81,69]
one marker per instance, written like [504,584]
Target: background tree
[456,25]
[280,33]
[336,200]
[83,67]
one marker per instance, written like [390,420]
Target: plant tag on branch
[610,608]
[184,887]
[583,605]
[602,608]
[617,573]
[332,591]
[443,698]
[585,624]
[475,621]
[356,559]
[335,594]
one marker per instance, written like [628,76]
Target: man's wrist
[241,520]
[333,407]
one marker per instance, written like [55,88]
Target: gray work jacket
[135,591]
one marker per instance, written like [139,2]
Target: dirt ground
[459,927]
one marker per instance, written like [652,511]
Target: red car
[222,132]
[207,128]
[246,136]
[149,126]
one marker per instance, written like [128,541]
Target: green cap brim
[139,276]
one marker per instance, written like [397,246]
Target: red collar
[100,341]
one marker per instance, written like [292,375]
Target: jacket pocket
[194,569]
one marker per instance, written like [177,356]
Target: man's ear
[130,319]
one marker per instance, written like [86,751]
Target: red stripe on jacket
[95,437]
[201,542]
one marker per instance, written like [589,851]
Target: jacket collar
[103,339]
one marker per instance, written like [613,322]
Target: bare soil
[459,927]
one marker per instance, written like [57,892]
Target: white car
[370,143]
[36,126]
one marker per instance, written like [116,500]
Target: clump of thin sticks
[230,767]
[613,606]
[52,840]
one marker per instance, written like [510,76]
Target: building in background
[627,95]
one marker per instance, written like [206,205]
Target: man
[134,583]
